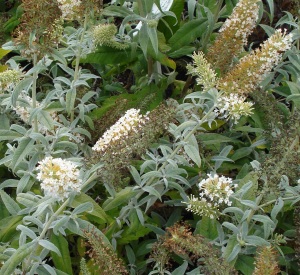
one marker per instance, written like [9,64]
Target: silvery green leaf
[40,67]
[6,159]
[18,256]
[29,219]
[41,208]
[246,215]
[150,201]
[88,96]
[263,219]
[49,269]
[27,199]
[181,269]
[277,208]
[50,246]
[193,154]
[190,124]
[70,100]
[9,183]
[152,34]
[58,56]
[155,229]
[117,11]
[143,38]
[19,129]
[25,147]
[255,165]
[65,146]
[151,174]
[258,143]
[4,122]
[147,164]
[64,80]
[130,254]
[68,70]
[234,210]
[8,135]
[152,191]
[82,131]
[27,231]
[136,175]
[191,8]
[235,251]
[140,215]
[12,207]
[222,157]
[59,224]
[231,227]
[176,186]
[246,187]
[256,240]
[195,271]
[85,207]
[79,82]
[23,183]
[249,203]
[24,84]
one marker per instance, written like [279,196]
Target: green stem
[273,201]
[33,93]
[77,62]
[141,8]
[150,66]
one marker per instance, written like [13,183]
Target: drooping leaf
[187,34]
[106,55]
[8,135]
[62,262]
[17,257]
[207,227]
[8,228]
[24,148]
[121,197]
[12,207]
[97,210]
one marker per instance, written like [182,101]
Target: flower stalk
[33,93]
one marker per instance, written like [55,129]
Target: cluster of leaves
[73,79]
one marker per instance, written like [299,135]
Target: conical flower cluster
[233,34]
[131,122]
[246,76]
[59,177]
[214,192]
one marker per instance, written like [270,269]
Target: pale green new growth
[104,35]
[206,76]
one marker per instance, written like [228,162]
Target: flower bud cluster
[233,107]
[252,69]
[214,192]
[69,8]
[104,35]
[202,207]
[131,122]
[9,77]
[233,34]
[59,177]
[206,76]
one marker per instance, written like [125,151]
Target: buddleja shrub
[224,158]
